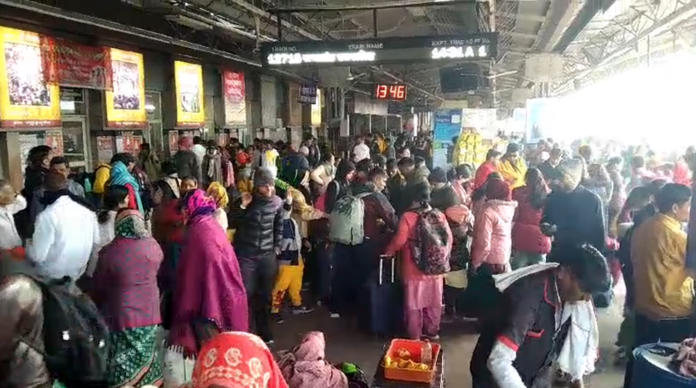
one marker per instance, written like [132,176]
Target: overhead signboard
[381,51]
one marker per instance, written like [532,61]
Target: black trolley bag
[382,304]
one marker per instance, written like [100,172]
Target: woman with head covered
[209,285]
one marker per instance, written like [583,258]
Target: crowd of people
[183,259]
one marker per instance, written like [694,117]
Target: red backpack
[433,246]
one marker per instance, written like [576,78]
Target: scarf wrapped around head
[121,176]
[219,194]
[236,359]
[305,365]
[197,203]
[130,224]
[571,171]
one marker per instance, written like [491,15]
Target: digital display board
[395,92]
[436,49]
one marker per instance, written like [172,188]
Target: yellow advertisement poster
[189,95]
[125,103]
[316,110]
[26,100]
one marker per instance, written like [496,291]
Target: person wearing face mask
[664,304]
[512,166]
[211,169]
[573,215]
[524,332]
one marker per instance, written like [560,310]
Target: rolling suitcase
[383,302]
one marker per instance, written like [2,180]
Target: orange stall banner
[125,103]
[26,100]
[189,95]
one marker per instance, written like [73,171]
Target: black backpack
[76,338]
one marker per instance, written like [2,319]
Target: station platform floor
[346,343]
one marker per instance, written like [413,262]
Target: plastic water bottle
[88,186]
[426,353]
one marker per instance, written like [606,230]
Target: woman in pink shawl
[305,366]
[209,287]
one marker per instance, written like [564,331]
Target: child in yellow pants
[290,268]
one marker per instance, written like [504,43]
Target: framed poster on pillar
[125,103]
[26,99]
[234,89]
[188,78]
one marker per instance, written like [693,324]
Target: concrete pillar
[269,102]
[12,162]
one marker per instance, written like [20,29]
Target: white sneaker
[335,315]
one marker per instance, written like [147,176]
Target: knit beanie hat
[263,177]
[497,189]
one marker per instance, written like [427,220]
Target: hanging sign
[235,98]
[308,94]
[376,51]
[76,65]
[125,103]
[26,100]
[189,95]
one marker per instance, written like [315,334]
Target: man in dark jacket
[258,220]
[314,154]
[573,214]
[186,160]
[549,167]
[523,335]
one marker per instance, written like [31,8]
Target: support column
[369,123]
[12,162]
[269,102]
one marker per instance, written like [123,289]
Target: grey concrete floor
[346,343]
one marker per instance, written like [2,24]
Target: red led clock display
[390,92]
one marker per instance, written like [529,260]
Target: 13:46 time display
[390,92]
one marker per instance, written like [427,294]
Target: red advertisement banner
[234,88]
[76,65]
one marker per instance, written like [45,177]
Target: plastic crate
[414,347]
